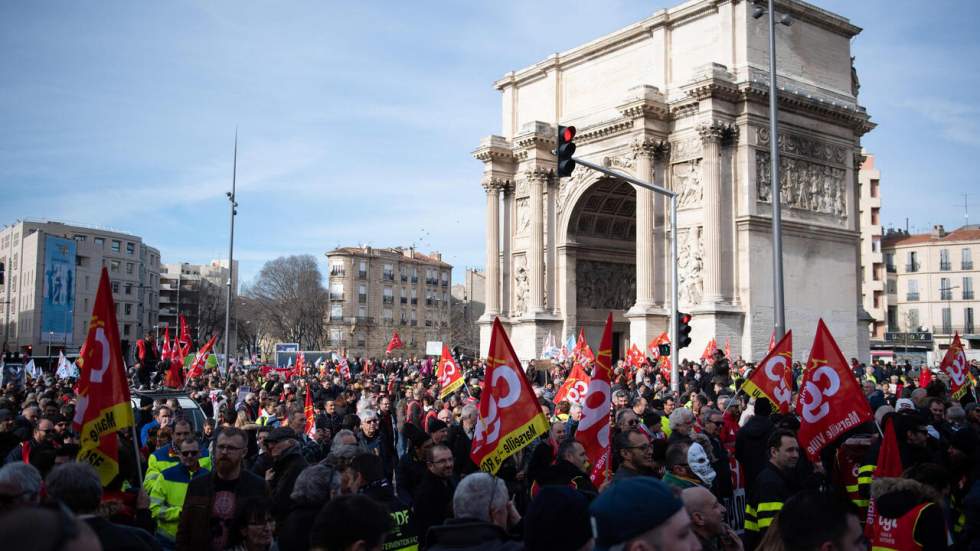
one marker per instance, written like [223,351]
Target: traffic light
[664,349]
[683,330]
[565,150]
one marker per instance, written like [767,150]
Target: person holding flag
[103,391]
[594,428]
[448,373]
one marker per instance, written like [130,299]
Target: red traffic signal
[683,330]
[565,150]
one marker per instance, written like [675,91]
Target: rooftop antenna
[966,209]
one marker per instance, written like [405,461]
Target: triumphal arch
[680,98]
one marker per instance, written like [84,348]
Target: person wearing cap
[287,463]
[641,514]
[438,430]
[773,485]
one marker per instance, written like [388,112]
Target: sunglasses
[190,453]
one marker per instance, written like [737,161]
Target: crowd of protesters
[388,466]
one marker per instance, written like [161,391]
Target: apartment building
[51,274]
[873,278]
[376,291]
[198,291]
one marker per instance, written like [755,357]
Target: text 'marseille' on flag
[103,391]
[509,415]
[448,373]
[593,429]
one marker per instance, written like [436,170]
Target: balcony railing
[945,266]
[361,275]
[388,276]
[362,298]
[336,296]
[949,329]
[967,295]
[945,294]
[912,296]
[912,267]
[403,300]
[966,265]
[388,300]
[338,272]
[891,268]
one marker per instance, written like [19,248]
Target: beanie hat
[414,435]
[435,425]
[629,508]
[763,407]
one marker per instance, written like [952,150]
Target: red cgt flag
[830,401]
[653,347]
[448,373]
[510,417]
[709,351]
[394,343]
[773,378]
[165,351]
[583,353]
[185,339]
[103,391]
[593,428]
[889,465]
[575,386]
[197,368]
[299,369]
[310,428]
[954,364]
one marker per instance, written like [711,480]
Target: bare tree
[291,300]
[210,310]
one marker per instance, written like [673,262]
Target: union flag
[448,373]
[593,428]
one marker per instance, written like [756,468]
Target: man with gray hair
[79,487]
[314,487]
[20,485]
[461,440]
[483,515]
[370,438]
[681,423]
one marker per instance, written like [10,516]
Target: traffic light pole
[674,376]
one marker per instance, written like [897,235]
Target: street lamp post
[779,310]
[231,250]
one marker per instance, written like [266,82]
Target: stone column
[535,263]
[711,136]
[644,151]
[493,248]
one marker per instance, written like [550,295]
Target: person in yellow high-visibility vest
[170,488]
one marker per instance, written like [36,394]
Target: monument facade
[680,99]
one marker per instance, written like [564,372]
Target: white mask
[697,460]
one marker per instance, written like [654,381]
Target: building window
[912,265]
[336,291]
[892,287]
[336,312]
[388,315]
[404,274]
[389,272]
[947,321]
[945,291]
[99,242]
[403,296]
[389,296]
[362,270]
[415,274]
[893,319]
[445,279]
[913,290]
[968,320]
[890,263]
[967,288]
[415,298]
[126,329]
[115,286]
[944,264]
[129,267]
[130,248]
[129,288]
[404,317]
[337,269]
[966,260]
[362,294]
[362,312]
[116,245]
[113,265]
[128,309]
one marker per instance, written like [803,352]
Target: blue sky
[356,119]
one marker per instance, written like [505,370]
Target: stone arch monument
[681,99]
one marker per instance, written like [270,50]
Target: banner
[344,368]
[830,401]
[510,417]
[58,300]
[593,428]
[773,376]
[448,372]
[550,350]
[888,465]
[266,369]
[66,369]
[394,343]
[954,364]
[103,391]
[575,386]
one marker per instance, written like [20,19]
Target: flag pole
[139,459]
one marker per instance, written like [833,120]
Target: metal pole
[231,251]
[779,313]
[674,365]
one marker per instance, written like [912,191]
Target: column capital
[537,174]
[650,147]
[494,184]
[717,131]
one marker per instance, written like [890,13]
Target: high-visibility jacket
[897,534]
[167,497]
[766,497]
[166,457]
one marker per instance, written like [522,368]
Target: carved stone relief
[687,183]
[804,185]
[690,263]
[605,285]
[685,150]
[792,144]
[521,285]
[625,161]
[523,215]
[567,186]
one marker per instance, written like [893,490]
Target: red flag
[310,427]
[103,391]
[448,372]
[394,343]
[197,368]
[925,377]
[830,401]
[175,375]
[954,364]
[593,428]
[773,378]
[510,417]
[185,338]
[299,369]
[728,348]
[653,347]
[574,387]
[165,352]
[634,361]
[344,368]
[583,353]
[709,351]
[889,464]
[665,368]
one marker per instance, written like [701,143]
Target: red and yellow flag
[448,372]
[954,364]
[299,370]
[653,347]
[773,378]
[103,391]
[830,402]
[593,428]
[574,387]
[510,417]
[582,353]
[310,427]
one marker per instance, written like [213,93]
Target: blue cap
[630,507]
